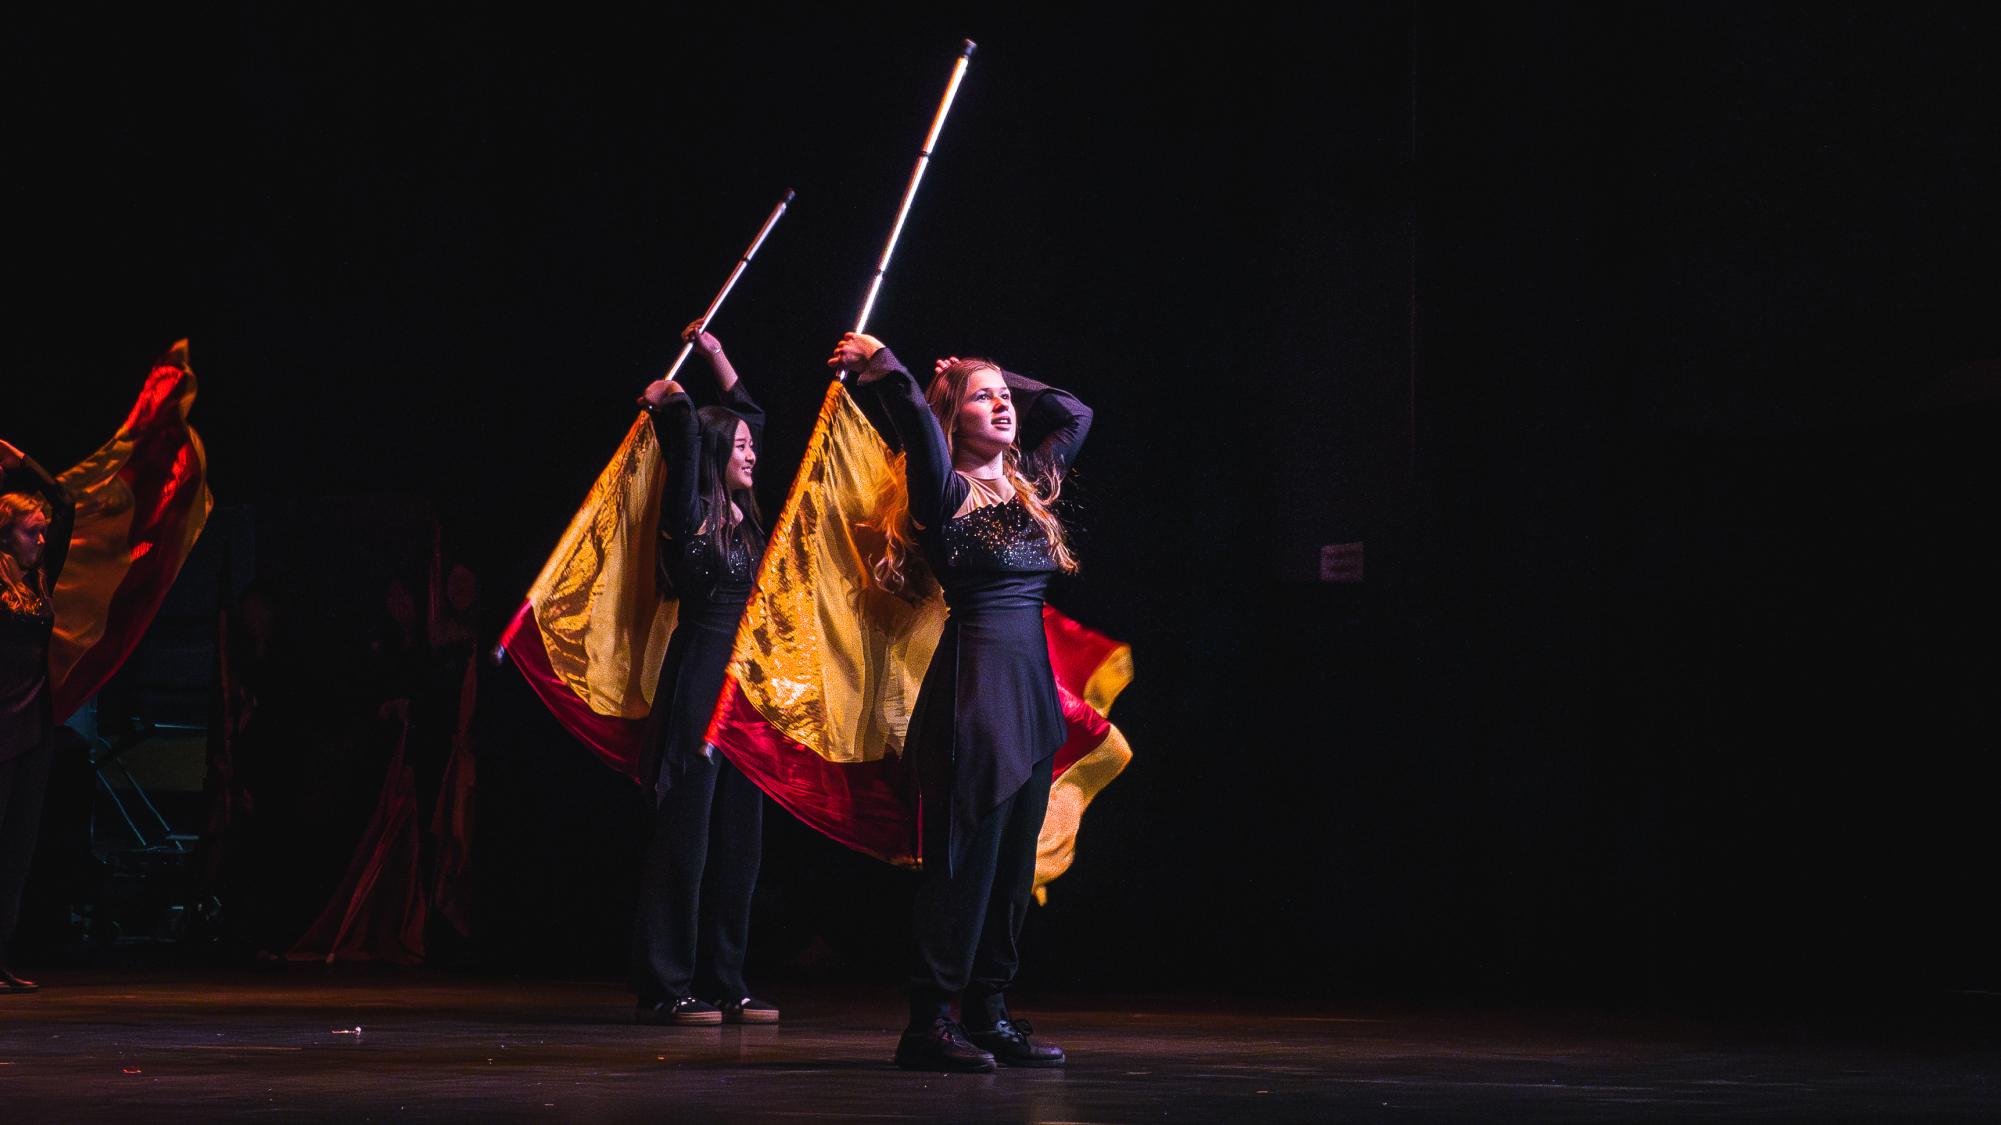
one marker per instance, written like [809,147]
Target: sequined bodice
[704,582]
[999,537]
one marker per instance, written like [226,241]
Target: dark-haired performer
[34,540]
[987,724]
[701,864]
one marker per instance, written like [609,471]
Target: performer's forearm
[726,377]
[45,483]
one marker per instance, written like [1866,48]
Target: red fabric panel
[1075,652]
[869,806]
[164,473]
[617,741]
[378,912]
[1087,728]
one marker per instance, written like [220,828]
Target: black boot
[11,983]
[941,1045]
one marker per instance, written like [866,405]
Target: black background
[1641,347]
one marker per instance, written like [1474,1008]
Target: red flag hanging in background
[451,603]
[378,911]
[141,502]
[452,816]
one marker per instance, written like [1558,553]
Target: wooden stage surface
[282,1044]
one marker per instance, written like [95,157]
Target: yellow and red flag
[827,666]
[1091,670]
[141,502]
[593,630]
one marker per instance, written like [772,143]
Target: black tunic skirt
[987,713]
[711,587]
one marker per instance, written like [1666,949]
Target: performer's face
[743,458]
[986,414]
[26,539]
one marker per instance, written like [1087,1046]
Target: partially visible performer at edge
[701,863]
[34,540]
[986,726]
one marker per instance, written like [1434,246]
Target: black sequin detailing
[1001,537]
[700,563]
[698,572]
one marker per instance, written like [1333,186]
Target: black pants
[968,922]
[24,779]
[696,885]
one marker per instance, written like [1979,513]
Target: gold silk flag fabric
[824,655]
[592,633]
[827,666]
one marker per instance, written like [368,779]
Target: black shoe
[941,1046]
[685,1012]
[749,1009]
[1008,1040]
[11,983]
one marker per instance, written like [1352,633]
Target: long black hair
[720,522]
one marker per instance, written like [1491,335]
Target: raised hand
[853,350]
[708,345]
[659,391]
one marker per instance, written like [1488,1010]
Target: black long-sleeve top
[987,714]
[711,586]
[1052,426]
[27,710]
[700,575]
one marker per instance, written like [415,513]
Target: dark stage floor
[152,1046]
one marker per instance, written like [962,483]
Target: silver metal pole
[916,176]
[741,263]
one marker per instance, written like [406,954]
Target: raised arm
[675,428]
[935,490]
[19,468]
[735,396]
[1053,422]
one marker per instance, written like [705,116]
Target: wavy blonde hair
[1037,492]
[21,589]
